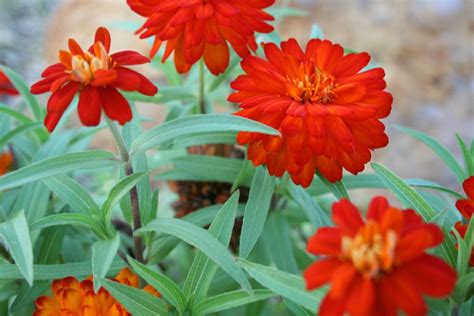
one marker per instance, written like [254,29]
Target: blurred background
[425,46]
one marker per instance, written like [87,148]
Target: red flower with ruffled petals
[97,76]
[6,87]
[203,28]
[466,208]
[377,266]
[326,108]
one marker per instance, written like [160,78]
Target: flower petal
[115,106]
[89,106]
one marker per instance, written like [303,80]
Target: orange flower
[6,162]
[327,111]
[74,298]
[197,28]
[6,87]
[466,208]
[97,76]
[377,266]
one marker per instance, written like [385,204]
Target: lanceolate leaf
[230,300]
[57,165]
[314,212]
[439,149]
[167,287]
[16,235]
[203,269]
[73,219]
[103,254]
[5,139]
[468,157]
[196,124]
[287,285]
[337,188]
[135,301]
[204,241]
[256,210]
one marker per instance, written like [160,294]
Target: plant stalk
[128,168]
[202,88]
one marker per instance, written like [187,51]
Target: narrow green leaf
[204,139]
[421,183]
[200,123]
[16,235]
[228,72]
[286,12]
[202,270]
[5,139]
[230,300]
[287,285]
[256,210]
[20,117]
[57,165]
[73,219]
[313,211]
[167,287]
[135,301]
[119,191]
[464,254]
[24,90]
[72,193]
[103,254]
[165,95]
[204,241]
[468,158]
[439,149]
[410,198]
[337,188]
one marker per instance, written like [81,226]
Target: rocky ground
[425,46]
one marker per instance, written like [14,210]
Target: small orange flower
[377,266]
[197,28]
[74,298]
[6,87]
[466,208]
[6,162]
[97,75]
[327,111]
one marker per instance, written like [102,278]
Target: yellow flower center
[84,67]
[311,84]
[370,250]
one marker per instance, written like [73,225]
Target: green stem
[125,157]
[202,88]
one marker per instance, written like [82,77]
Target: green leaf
[230,300]
[217,82]
[72,193]
[103,254]
[202,270]
[421,183]
[4,109]
[167,287]
[439,149]
[468,158]
[24,90]
[282,12]
[256,210]
[313,211]
[44,272]
[204,241]
[119,191]
[135,301]
[337,188]
[165,95]
[287,285]
[464,254]
[204,139]
[16,235]
[73,219]
[5,139]
[316,32]
[410,198]
[57,165]
[208,123]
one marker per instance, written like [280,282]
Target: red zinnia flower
[466,208]
[197,28]
[327,111]
[97,76]
[377,266]
[6,87]
[6,162]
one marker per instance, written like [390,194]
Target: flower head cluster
[377,266]
[6,87]
[97,75]
[326,107]
[74,298]
[6,162]
[466,208]
[203,28]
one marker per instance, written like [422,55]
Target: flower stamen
[312,84]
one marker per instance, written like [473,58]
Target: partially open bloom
[325,106]
[377,266]
[6,162]
[6,87]
[466,208]
[74,298]
[97,75]
[203,28]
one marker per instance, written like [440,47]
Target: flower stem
[125,157]
[202,88]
